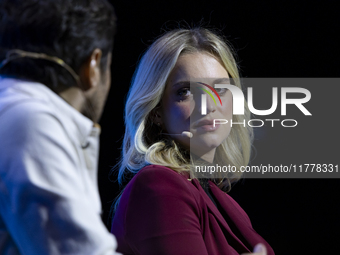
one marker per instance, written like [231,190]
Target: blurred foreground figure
[55,58]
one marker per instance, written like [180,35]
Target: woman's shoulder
[157,173]
[156,179]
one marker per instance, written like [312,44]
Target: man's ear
[90,73]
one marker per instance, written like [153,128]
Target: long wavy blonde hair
[142,145]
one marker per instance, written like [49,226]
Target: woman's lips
[206,125]
[207,128]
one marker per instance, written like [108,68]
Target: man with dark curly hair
[55,58]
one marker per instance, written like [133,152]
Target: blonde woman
[166,208]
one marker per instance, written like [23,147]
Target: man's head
[80,32]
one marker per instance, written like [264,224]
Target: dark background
[272,39]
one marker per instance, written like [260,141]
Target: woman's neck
[207,156]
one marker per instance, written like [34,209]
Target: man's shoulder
[27,116]
[29,122]
[25,112]
[30,103]
[28,98]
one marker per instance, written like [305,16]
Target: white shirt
[49,200]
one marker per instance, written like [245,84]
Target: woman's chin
[203,145]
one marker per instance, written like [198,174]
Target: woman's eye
[185,92]
[221,91]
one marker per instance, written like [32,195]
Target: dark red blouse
[162,212]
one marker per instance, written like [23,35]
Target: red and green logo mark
[209,93]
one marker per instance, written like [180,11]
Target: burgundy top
[162,212]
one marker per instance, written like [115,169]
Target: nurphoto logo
[238,103]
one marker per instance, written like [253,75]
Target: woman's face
[181,104]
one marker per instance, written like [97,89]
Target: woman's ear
[90,73]
[156,116]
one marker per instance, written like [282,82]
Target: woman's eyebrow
[182,83]
[217,81]
[222,80]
